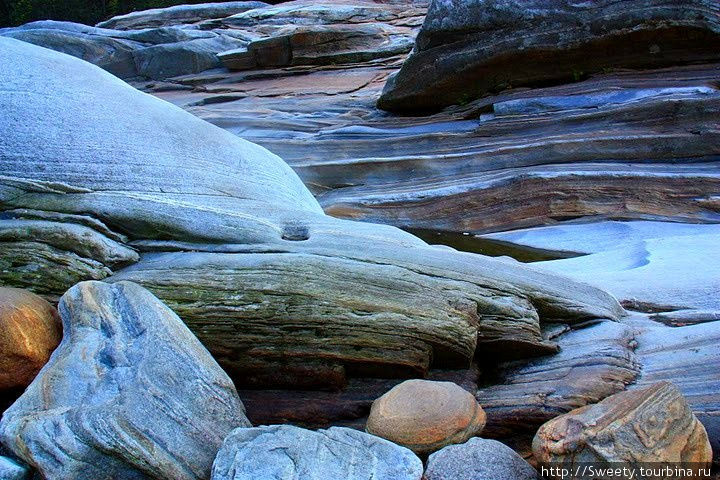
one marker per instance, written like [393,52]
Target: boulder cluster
[178,302]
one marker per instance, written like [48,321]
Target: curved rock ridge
[634,260]
[178,14]
[231,239]
[283,451]
[130,393]
[467,49]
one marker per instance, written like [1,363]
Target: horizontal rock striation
[467,49]
[593,363]
[231,239]
[630,145]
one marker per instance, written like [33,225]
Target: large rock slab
[129,393]
[425,416]
[232,240]
[652,424]
[469,48]
[29,332]
[290,452]
[478,459]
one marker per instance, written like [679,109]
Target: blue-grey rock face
[287,452]
[11,470]
[130,393]
[478,459]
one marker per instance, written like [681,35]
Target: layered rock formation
[425,416]
[638,427]
[628,144]
[29,332]
[319,299]
[129,393]
[467,49]
[290,452]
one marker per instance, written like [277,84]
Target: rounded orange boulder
[425,416]
[29,332]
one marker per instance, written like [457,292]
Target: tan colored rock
[29,332]
[653,424]
[425,416]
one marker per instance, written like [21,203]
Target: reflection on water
[485,246]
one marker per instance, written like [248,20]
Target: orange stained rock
[29,332]
[425,415]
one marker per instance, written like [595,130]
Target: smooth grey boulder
[469,48]
[172,59]
[178,14]
[11,470]
[129,393]
[231,239]
[478,459]
[287,452]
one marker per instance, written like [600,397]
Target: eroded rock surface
[653,424]
[425,416]
[649,266]
[29,332]
[254,248]
[469,48]
[282,451]
[130,393]
[478,459]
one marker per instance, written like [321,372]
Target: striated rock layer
[469,48]
[130,393]
[280,292]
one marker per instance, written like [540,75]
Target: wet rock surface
[129,393]
[283,451]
